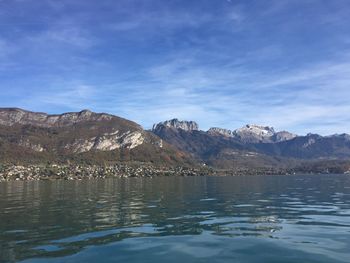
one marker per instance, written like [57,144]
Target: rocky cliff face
[107,142]
[12,116]
[117,133]
[283,136]
[176,124]
[220,132]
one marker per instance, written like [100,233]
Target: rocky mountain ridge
[130,136]
[264,134]
[252,133]
[13,116]
[262,144]
[176,124]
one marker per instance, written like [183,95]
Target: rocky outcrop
[215,131]
[176,124]
[108,142]
[283,136]
[12,116]
[32,146]
[261,134]
[254,133]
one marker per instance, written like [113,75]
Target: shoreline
[79,172]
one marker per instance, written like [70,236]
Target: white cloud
[63,35]
[72,96]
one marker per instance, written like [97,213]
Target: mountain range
[88,137]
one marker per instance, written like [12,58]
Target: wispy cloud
[71,96]
[67,35]
[288,100]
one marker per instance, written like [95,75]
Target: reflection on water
[194,219]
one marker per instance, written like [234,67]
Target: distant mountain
[199,143]
[176,124]
[261,134]
[254,144]
[216,147]
[311,146]
[253,134]
[215,131]
[83,136]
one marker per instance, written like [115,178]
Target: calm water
[193,219]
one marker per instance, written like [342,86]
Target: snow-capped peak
[252,133]
[256,129]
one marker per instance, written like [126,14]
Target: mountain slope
[79,136]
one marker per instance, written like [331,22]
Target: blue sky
[225,63]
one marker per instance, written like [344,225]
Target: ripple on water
[250,219]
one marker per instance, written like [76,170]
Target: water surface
[177,219]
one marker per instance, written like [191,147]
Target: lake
[177,219]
